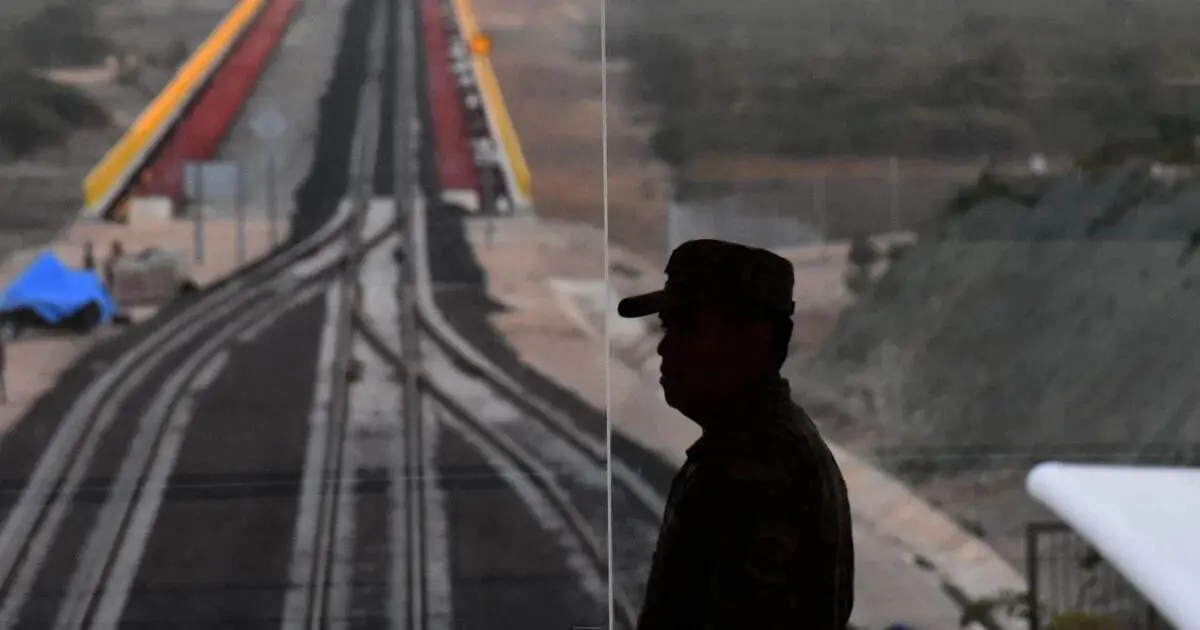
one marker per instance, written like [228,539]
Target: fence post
[819,205]
[1031,575]
[894,192]
[240,218]
[198,213]
[272,229]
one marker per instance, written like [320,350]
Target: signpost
[269,125]
[205,181]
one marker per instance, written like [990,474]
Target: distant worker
[5,332]
[115,253]
[756,534]
[89,256]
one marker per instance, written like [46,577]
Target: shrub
[1083,621]
[36,112]
[61,34]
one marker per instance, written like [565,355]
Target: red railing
[199,135]
[455,157]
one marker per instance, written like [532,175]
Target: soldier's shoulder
[797,444]
[770,453]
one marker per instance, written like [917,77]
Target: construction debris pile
[50,295]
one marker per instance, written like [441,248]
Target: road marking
[593,446]
[70,452]
[593,583]
[152,456]
[439,612]
[363,402]
[344,533]
[381,215]
[295,603]
[38,542]
[211,371]
[398,588]
[313,265]
[377,395]
[471,391]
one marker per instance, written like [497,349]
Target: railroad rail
[190,341]
[135,415]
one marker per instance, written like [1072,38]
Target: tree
[36,112]
[1004,79]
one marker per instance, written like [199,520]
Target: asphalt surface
[217,551]
[216,556]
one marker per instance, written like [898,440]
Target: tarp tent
[48,293]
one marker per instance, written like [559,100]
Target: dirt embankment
[1061,330]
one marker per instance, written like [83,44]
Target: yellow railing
[497,112]
[105,182]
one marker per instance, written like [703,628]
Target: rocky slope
[1065,328]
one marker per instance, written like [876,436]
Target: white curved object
[1144,521]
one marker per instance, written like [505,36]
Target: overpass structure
[188,120]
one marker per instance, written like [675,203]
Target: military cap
[708,273]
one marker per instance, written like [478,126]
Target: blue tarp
[55,292]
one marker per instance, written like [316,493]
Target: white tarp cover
[1144,521]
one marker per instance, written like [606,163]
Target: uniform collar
[764,403]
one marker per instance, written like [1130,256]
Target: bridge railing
[1068,578]
[107,182]
[512,157]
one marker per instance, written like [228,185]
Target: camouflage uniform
[756,534]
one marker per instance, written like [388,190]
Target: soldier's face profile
[705,358]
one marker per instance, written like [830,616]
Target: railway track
[128,427]
[560,472]
[172,362]
[167,367]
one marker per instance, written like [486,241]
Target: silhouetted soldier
[756,534]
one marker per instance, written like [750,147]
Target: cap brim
[641,305]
